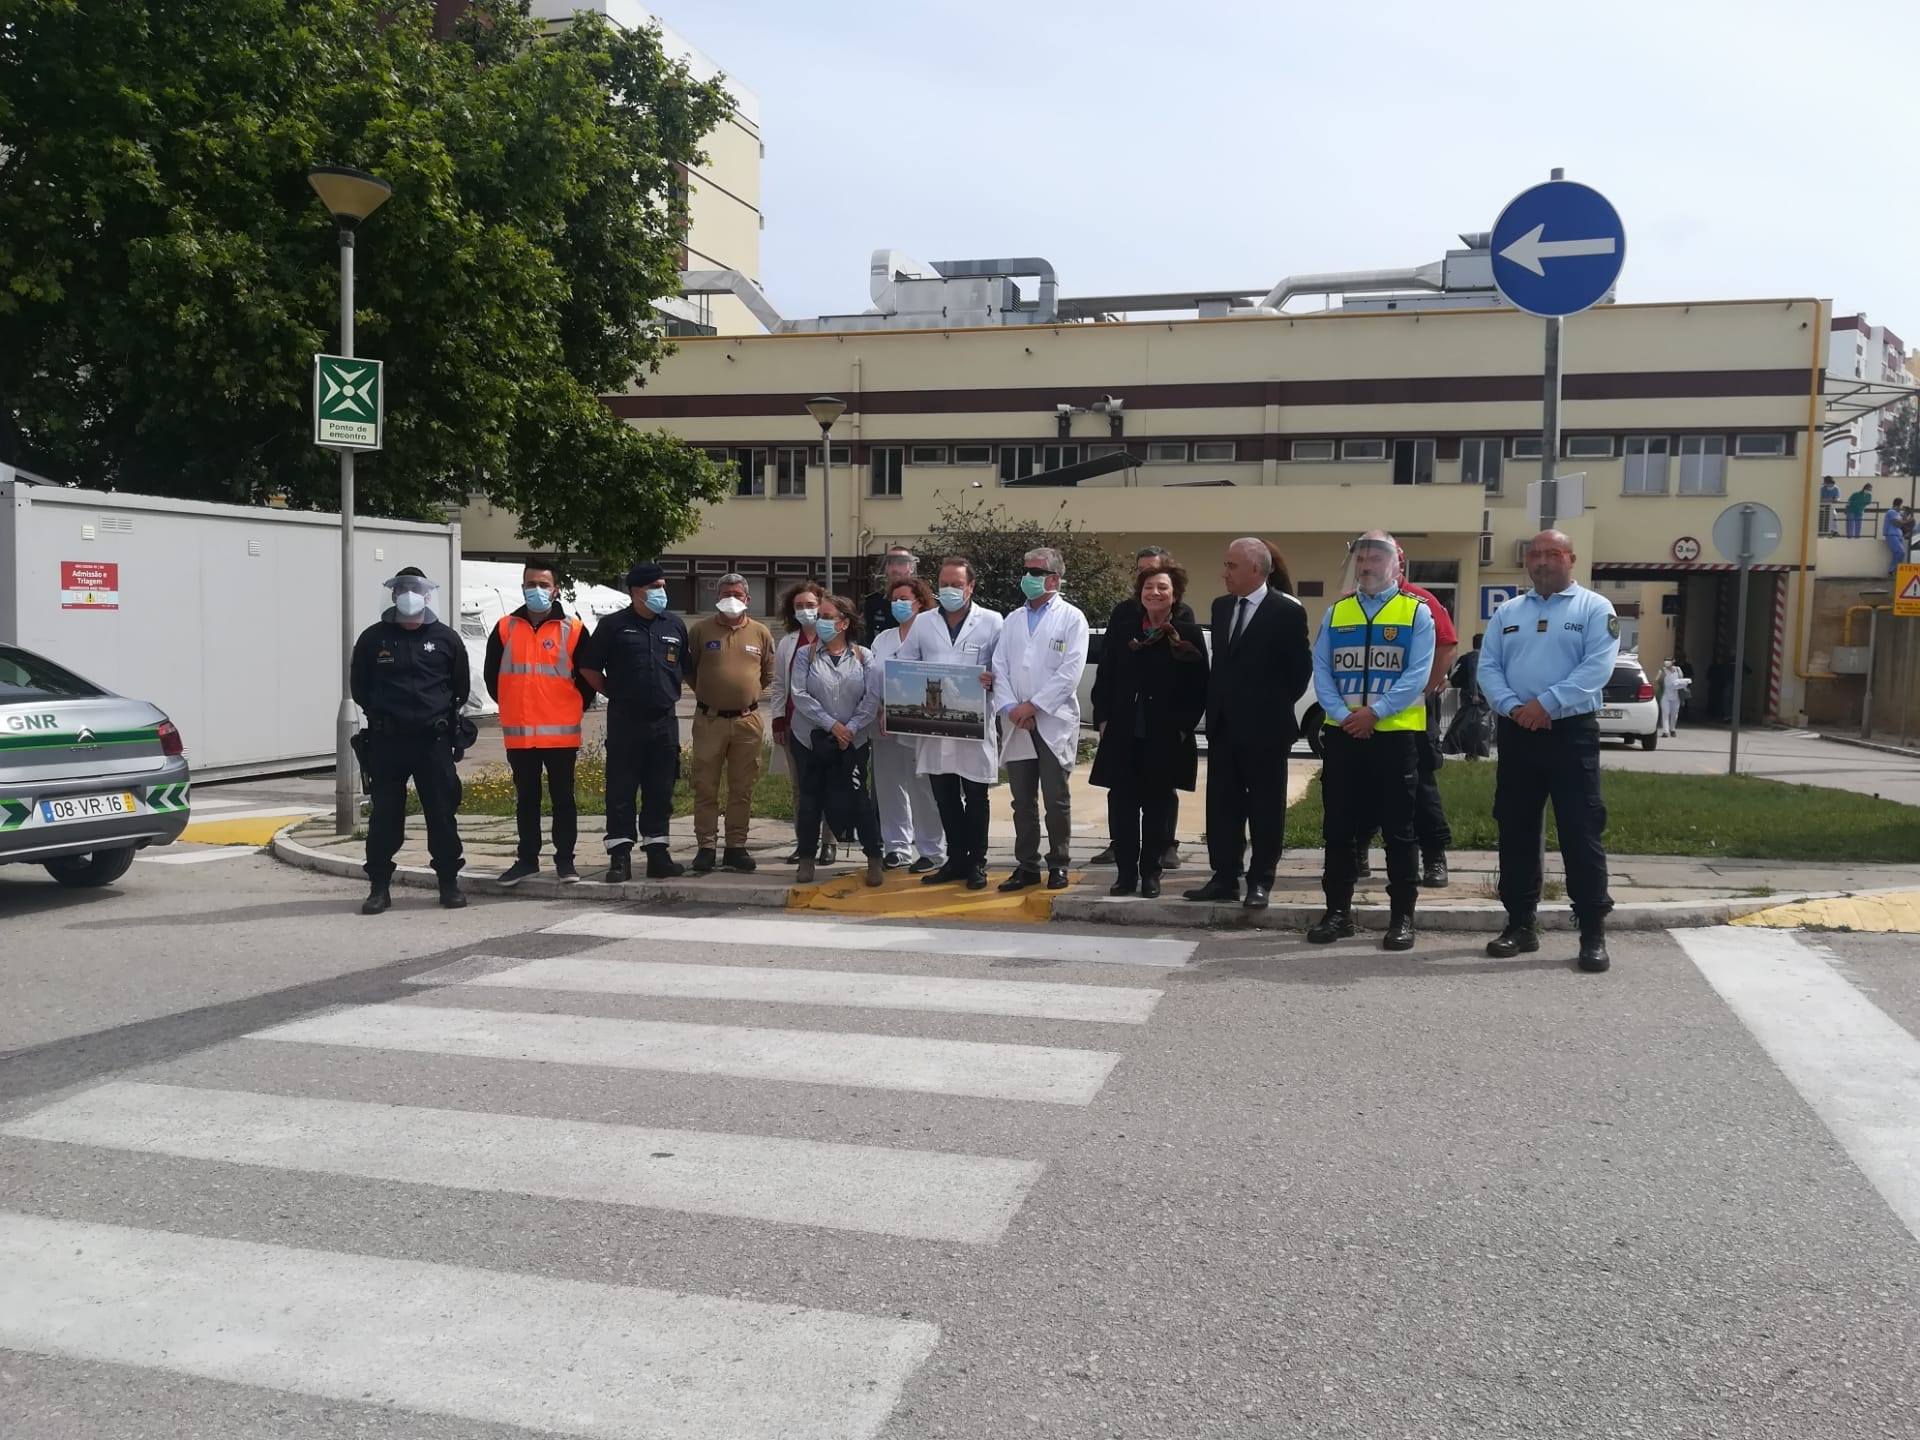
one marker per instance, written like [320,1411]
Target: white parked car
[1627,706]
[1307,713]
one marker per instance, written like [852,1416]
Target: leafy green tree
[1900,442]
[166,274]
[1096,579]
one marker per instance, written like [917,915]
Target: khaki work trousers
[735,746]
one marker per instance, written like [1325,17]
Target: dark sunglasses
[1042,573]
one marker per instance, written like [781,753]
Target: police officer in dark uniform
[1548,654]
[634,658]
[410,676]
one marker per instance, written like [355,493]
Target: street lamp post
[350,197]
[826,409]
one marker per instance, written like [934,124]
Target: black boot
[1433,870]
[1399,934]
[1220,887]
[619,866]
[1519,938]
[379,900]
[736,859]
[1593,950]
[1124,884]
[703,860]
[450,896]
[1332,926]
[661,865]
[1150,885]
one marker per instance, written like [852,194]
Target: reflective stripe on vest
[1370,656]
[540,707]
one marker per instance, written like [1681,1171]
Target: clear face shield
[1373,565]
[411,594]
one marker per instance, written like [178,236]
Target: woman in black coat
[1152,688]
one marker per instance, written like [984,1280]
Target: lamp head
[826,409]
[349,195]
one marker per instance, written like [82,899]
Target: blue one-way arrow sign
[1557,248]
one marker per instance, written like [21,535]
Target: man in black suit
[1262,662]
[1125,621]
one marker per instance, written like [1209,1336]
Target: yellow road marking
[1896,913]
[257,830]
[902,895]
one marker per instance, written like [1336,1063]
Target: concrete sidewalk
[1650,892]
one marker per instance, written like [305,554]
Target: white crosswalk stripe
[1119,949]
[809,1057]
[852,988]
[449,1340]
[802,1182]
[564,1356]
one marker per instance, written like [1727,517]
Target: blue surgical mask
[657,599]
[1033,586]
[826,629]
[902,611]
[537,598]
[952,597]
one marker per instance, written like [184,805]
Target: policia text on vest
[532,671]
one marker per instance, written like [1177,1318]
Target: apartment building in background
[1872,355]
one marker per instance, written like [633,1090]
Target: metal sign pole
[1740,633]
[346,810]
[1550,419]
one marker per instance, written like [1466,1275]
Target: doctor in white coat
[1036,689]
[959,770]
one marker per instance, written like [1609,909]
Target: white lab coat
[973,645]
[1671,694]
[1042,668]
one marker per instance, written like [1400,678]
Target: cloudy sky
[1759,148]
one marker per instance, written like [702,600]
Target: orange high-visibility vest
[540,706]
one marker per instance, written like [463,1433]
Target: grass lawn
[491,791]
[1694,815]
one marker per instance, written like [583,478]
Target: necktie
[1239,622]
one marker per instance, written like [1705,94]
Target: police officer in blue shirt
[1370,664]
[634,658]
[1548,654]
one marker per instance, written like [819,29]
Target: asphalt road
[269,1169]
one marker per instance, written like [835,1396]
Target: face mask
[657,600]
[952,598]
[902,611]
[1033,586]
[826,629]
[537,599]
[732,608]
[409,603]
[805,615]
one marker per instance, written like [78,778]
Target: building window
[790,473]
[1413,462]
[1486,537]
[1646,465]
[719,457]
[973,454]
[1703,464]
[842,454]
[1215,452]
[1480,464]
[1363,449]
[1524,447]
[885,463]
[1101,451]
[1016,463]
[1589,447]
[750,472]
[1058,457]
[1167,452]
[1311,450]
[1759,445]
[928,455]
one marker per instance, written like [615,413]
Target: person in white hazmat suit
[1673,690]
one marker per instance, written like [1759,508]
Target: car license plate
[1613,714]
[87,807]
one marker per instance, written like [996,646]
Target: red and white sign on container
[89,585]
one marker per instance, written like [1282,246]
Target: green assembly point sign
[349,403]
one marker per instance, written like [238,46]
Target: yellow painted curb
[258,830]
[1896,913]
[902,896]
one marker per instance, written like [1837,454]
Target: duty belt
[705,709]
